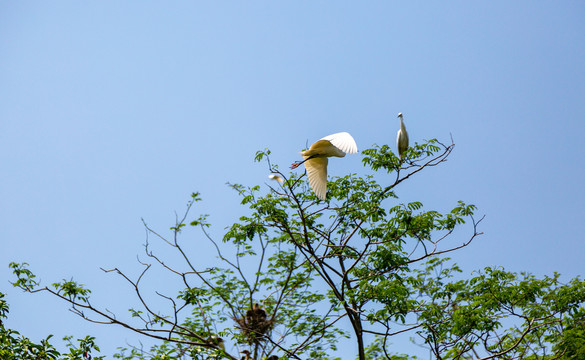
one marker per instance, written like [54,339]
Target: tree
[14,346]
[295,267]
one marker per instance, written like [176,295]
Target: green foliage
[72,291]
[14,346]
[570,341]
[501,312]
[376,350]
[165,351]
[381,157]
[25,278]
[261,154]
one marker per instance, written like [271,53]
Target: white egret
[315,159]
[276,178]
[401,138]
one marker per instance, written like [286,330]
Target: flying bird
[315,159]
[401,138]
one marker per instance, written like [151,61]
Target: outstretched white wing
[317,173]
[343,141]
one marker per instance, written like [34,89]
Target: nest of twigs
[255,326]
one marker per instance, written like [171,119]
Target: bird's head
[276,178]
[400,115]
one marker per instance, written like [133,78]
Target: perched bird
[315,159]
[260,312]
[246,355]
[256,314]
[276,178]
[401,138]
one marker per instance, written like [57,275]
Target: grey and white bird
[401,138]
[315,159]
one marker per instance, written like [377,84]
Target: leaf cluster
[14,346]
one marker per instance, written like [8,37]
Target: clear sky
[115,111]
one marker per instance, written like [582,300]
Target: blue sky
[115,111]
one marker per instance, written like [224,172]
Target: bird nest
[255,326]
